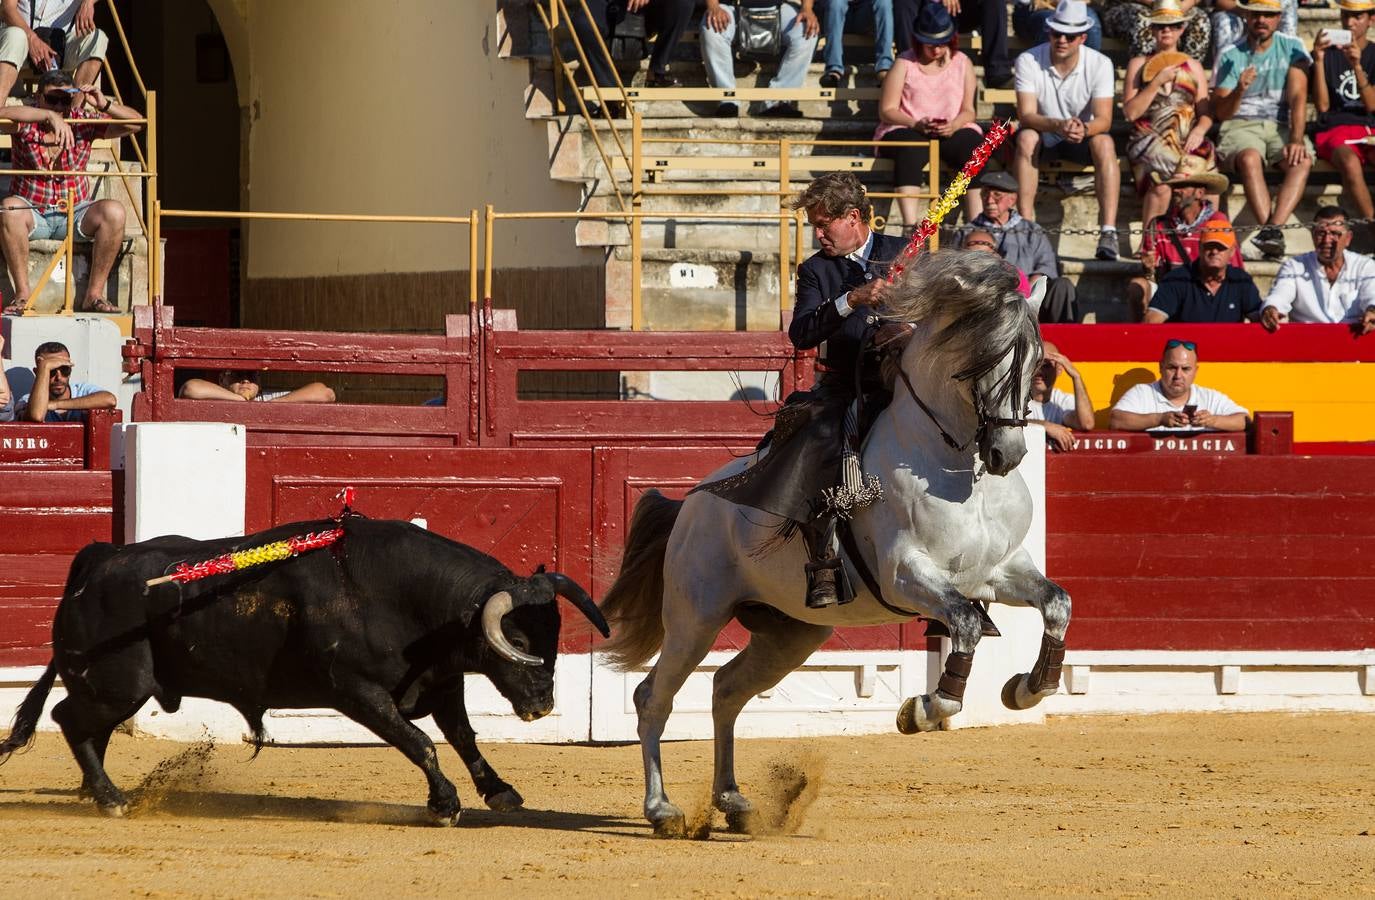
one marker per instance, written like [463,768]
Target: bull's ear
[539,570]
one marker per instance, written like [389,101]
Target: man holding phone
[1175,403]
[1344,94]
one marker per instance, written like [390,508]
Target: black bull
[381,626]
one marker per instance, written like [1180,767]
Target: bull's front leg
[373,708]
[451,715]
[1021,583]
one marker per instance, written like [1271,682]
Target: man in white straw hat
[1064,102]
[1260,90]
[1344,93]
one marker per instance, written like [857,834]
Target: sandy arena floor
[1220,805]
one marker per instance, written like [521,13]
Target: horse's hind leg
[1021,583]
[777,646]
[684,647]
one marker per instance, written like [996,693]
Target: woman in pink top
[929,94]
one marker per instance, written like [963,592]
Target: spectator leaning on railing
[929,94]
[1175,403]
[52,34]
[1258,96]
[36,208]
[871,17]
[242,385]
[1344,94]
[799,28]
[55,397]
[1060,413]
[1209,289]
[1171,240]
[1064,103]
[1166,100]
[1330,284]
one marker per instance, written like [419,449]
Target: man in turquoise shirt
[1260,93]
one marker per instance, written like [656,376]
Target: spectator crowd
[1216,94]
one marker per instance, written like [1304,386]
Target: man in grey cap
[1023,243]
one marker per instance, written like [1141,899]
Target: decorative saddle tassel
[856,489]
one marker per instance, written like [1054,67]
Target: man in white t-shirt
[1064,105]
[1175,403]
[1059,412]
[1330,284]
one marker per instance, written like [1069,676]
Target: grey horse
[943,540]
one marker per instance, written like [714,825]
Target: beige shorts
[1262,135]
[14,48]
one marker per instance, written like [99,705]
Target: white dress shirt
[860,256]
[1302,292]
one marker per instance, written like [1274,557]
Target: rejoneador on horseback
[942,541]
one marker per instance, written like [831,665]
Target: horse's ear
[1037,295]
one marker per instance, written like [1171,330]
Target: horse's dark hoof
[113,810]
[1010,692]
[441,819]
[506,801]
[907,716]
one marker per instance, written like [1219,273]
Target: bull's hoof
[113,810]
[506,801]
[441,819]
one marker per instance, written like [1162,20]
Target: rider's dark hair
[835,194]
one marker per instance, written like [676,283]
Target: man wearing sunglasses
[36,208]
[55,397]
[1175,403]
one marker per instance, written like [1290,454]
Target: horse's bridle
[985,420]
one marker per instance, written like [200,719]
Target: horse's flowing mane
[985,316]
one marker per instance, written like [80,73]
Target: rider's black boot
[826,581]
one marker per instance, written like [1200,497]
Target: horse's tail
[635,603]
[26,719]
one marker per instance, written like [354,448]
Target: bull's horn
[496,607]
[568,589]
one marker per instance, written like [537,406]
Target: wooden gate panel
[45,518]
[525,507]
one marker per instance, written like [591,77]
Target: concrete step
[127,286]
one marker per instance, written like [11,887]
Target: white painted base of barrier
[1150,681]
[166,488]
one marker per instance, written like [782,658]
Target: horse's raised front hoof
[506,801]
[113,810]
[1016,696]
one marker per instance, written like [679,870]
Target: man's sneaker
[1270,241]
[1107,246]
[830,79]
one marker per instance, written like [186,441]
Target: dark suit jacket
[820,280]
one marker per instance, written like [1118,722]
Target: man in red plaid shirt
[36,208]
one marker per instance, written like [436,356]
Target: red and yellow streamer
[254,556]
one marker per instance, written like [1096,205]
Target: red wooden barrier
[1176,552]
[57,494]
[510,421]
[159,350]
[1216,343]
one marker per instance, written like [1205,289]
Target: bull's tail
[635,603]
[26,719]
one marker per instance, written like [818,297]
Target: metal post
[637,313]
[67,247]
[487,254]
[472,258]
[784,179]
[155,221]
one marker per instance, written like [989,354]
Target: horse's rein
[985,420]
